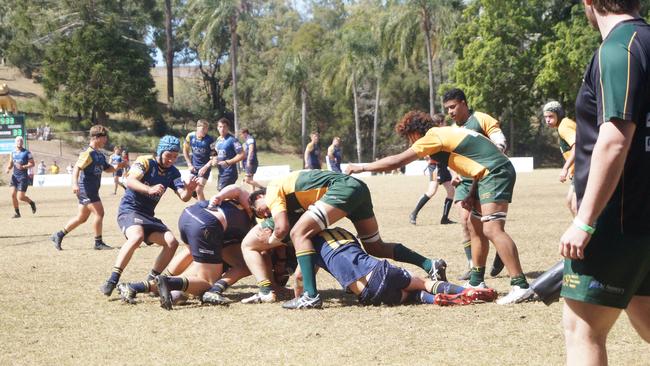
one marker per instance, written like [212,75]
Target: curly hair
[414,121]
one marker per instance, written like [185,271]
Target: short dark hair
[255,195]
[245,130]
[438,120]
[616,6]
[454,94]
[225,121]
[414,121]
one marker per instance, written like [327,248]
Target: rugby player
[147,181]
[304,203]
[229,153]
[438,175]
[200,146]
[607,247]
[21,161]
[86,180]
[250,162]
[473,156]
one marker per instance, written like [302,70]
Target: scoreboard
[11,126]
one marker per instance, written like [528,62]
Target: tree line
[283,68]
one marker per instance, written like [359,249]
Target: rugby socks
[17,210]
[423,201]
[406,255]
[153,274]
[442,287]
[424,297]
[167,273]
[477,276]
[306,261]
[219,287]
[467,246]
[265,287]
[115,275]
[61,233]
[140,287]
[178,283]
[446,208]
[98,240]
[519,280]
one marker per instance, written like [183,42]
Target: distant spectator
[312,152]
[47,132]
[41,168]
[334,155]
[69,168]
[7,103]
[54,168]
[39,132]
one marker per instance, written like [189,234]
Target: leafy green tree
[97,70]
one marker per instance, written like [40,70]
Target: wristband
[584,227]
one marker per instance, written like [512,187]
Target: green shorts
[352,196]
[462,189]
[498,185]
[615,268]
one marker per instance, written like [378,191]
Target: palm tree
[211,16]
[415,22]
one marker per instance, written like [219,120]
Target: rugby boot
[517,295]
[446,221]
[497,266]
[107,288]
[127,294]
[412,218]
[468,296]
[438,271]
[102,246]
[259,298]
[33,206]
[165,292]
[57,240]
[16,216]
[215,298]
[304,302]
[465,276]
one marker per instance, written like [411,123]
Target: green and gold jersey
[469,153]
[482,123]
[296,191]
[567,132]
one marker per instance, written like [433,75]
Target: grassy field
[53,313]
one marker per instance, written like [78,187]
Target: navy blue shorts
[118,173]
[149,224]
[87,197]
[21,184]
[385,285]
[203,232]
[251,169]
[226,181]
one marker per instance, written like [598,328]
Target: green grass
[272,158]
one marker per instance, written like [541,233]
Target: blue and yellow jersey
[201,148]
[147,170]
[340,254]
[91,163]
[227,148]
[250,142]
[296,191]
[616,86]
[338,157]
[313,155]
[21,157]
[482,123]
[467,152]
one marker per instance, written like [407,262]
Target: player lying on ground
[147,181]
[377,282]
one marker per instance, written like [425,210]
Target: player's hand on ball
[573,243]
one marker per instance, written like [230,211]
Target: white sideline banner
[65,180]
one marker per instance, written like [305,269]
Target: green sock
[477,276]
[519,280]
[306,259]
[406,255]
[467,246]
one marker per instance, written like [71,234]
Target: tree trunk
[102,117]
[376,121]
[357,123]
[169,54]
[303,117]
[233,60]
[432,107]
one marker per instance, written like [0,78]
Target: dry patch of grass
[52,312]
